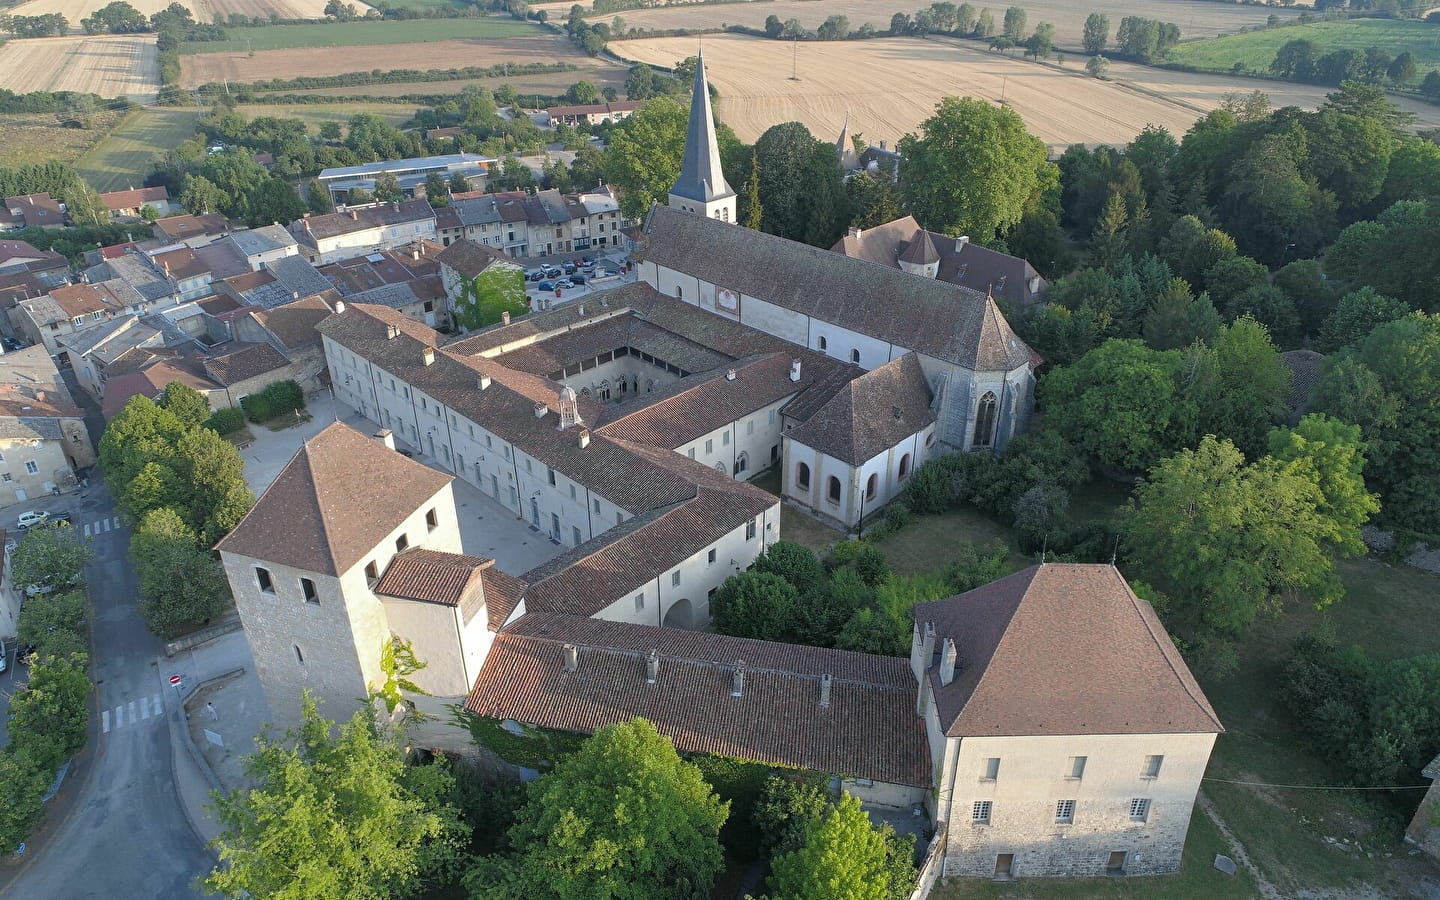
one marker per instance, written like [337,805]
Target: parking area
[596,282]
[487,528]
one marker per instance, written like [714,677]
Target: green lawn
[316,114]
[1255,50]
[126,155]
[354,34]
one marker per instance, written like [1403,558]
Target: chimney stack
[415,254]
[652,666]
[729,374]
[737,687]
[428,356]
[540,410]
[392,331]
[339,306]
[961,241]
[572,658]
[947,662]
[795,370]
[882,145]
[484,382]
[505,317]
[584,438]
[294,295]
[825,691]
[386,437]
[355,215]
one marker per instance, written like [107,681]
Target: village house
[470,272]
[191,230]
[66,310]
[406,279]
[31,211]
[43,441]
[131,203]
[261,246]
[359,230]
[19,256]
[592,113]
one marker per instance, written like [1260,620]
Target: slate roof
[871,414]
[339,496]
[264,239]
[313,228]
[920,250]
[234,366]
[137,272]
[869,730]
[701,177]
[1061,648]
[938,319]
[469,258]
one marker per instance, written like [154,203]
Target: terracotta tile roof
[150,381]
[869,729]
[134,197]
[431,576]
[470,259]
[180,227]
[1062,648]
[294,323]
[20,254]
[871,414]
[36,210]
[234,366]
[182,263]
[941,320]
[79,299]
[338,497]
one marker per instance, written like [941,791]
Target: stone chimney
[392,331]
[428,356]
[572,658]
[484,382]
[729,374]
[825,691]
[415,254]
[947,662]
[795,370]
[737,686]
[540,410]
[339,306]
[584,438]
[386,437]
[882,145]
[294,295]
[505,317]
[856,232]
[652,666]
[961,241]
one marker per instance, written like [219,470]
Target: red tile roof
[134,197]
[869,729]
[1062,648]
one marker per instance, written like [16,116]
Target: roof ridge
[314,490]
[1166,647]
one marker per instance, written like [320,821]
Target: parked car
[551,271]
[32,517]
[587,260]
[564,284]
[4,662]
[405,453]
[546,285]
[57,518]
[570,269]
[577,278]
[534,275]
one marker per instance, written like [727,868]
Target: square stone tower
[303,563]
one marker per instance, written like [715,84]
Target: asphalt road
[124,834]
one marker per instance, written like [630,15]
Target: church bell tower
[702,188]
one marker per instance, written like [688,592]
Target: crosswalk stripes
[94,529]
[131,713]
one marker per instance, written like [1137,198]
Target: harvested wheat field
[109,65]
[204,10]
[203,68]
[1196,18]
[888,87]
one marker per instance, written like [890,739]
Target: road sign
[174,680]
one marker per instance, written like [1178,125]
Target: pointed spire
[844,149]
[700,177]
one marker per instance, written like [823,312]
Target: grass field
[30,138]
[546,83]
[1255,49]
[357,34]
[125,156]
[316,114]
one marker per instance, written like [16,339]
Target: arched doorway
[680,615]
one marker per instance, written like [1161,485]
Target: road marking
[103,526]
[105,718]
[132,710]
[144,707]
[119,715]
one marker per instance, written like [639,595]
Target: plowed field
[887,87]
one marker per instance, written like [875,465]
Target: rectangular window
[675,578]
[1077,767]
[489,443]
[31,467]
[401,543]
[750,530]
[619,517]
[307,587]
[725,439]
[639,602]
[572,492]
[980,812]
[711,560]
[576,533]
[1064,812]
[550,474]
[6,477]
[992,769]
[597,507]
[262,577]
[750,427]
[432,519]
[507,451]
[1152,766]
[690,453]
[1139,809]
[772,417]
[372,572]
[709,445]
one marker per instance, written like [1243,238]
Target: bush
[277,399]
[226,421]
[897,515]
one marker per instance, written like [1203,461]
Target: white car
[31,518]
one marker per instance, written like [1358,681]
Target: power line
[1322,787]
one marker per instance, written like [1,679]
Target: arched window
[802,477]
[679,292]
[832,489]
[820,342]
[904,465]
[855,357]
[985,421]
[871,486]
[742,462]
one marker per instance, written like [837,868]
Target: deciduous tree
[755,605]
[1330,453]
[50,715]
[843,858]
[1096,33]
[180,583]
[53,556]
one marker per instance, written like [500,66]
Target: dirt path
[1237,850]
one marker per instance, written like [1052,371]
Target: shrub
[226,421]
[277,399]
[897,515]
